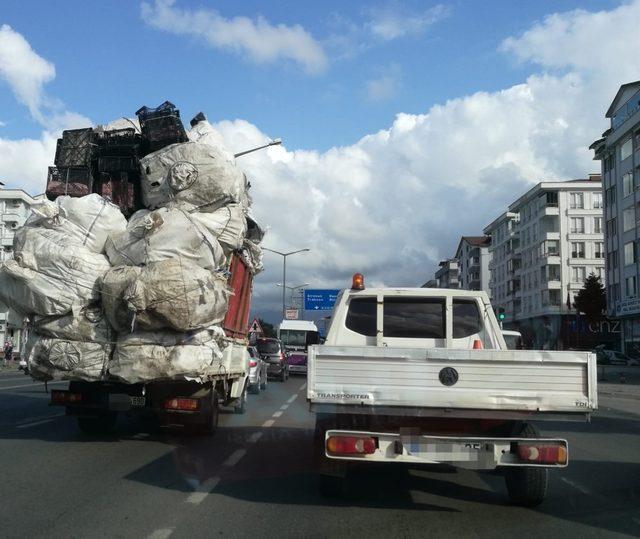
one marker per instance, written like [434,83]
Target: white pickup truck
[419,375]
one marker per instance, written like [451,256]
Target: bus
[297,335]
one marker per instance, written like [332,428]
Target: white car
[257,371]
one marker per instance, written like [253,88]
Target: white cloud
[386,86]
[258,39]
[393,22]
[24,162]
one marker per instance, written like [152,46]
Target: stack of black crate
[72,173]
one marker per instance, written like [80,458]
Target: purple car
[297,361]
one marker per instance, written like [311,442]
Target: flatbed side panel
[236,320]
[486,379]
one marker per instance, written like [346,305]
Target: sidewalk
[619,381]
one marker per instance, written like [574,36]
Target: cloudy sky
[405,124]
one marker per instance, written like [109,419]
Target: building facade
[619,153]
[473,258]
[543,249]
[447,275]
[15,207]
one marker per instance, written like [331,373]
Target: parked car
[257,371]
[273,352]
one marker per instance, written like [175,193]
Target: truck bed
[385,379]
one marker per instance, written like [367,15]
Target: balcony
[549,209]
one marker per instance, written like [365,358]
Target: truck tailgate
[518,380]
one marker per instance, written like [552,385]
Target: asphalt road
[254,478]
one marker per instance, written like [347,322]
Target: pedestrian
[8,352]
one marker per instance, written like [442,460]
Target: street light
[292,288]
[284,271]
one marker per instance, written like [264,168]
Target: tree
[591,299]
[269,329]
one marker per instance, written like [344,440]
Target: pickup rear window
[414,318]
[361,316]
[466,318]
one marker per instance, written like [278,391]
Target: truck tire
[101,424]
[213,416]
[241,404]
[331,474]
[527,486]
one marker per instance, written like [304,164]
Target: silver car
[257,371]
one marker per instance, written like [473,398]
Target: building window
[577,225]
[597,225]
[628,219]
[626,149]
[629,253]
[612,227]
[578,274]
[597,201]
[627,184]
[599,250]
[600,272]
[608,163]
[631,286]
[610,196]
[576,201]
[577,249]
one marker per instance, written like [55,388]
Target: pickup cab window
[361,316]
[414,318]
[466,318]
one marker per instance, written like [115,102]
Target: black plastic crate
[117,163]
[161,126]
[72,181]
[75,148]
[166,109]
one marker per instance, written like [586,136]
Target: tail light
[542,453]
[350,445]
[281,357]
[65,397]
[252,363]
[180,403]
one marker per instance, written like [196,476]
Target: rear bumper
[298,368]
[475,453]
[275,369]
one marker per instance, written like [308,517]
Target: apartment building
[447,275]
[619,153]
[543,248]
[473,259]
[15,205]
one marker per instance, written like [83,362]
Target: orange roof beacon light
[358,282]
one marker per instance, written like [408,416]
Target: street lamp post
[292,288]
[284,271]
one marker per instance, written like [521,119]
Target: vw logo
[448,376]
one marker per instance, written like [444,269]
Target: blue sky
[108,62]
[405,124]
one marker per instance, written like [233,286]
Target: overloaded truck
[423,376]
[135,277]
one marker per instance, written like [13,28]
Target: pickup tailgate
[518,380]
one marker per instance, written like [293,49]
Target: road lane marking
[235,457]
[34,385]
[575,485]
[162,533]
[284,407]
[254,437]
[291,399]
[277,414]
[268,423]
[203,491]
[303,386]
[39,422]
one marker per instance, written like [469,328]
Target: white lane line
[255,437]
[268,423]
[203,491]
[235,457]
[161,533]
[303,386]
[33,385]
[39,422]
[291,399]
[284,407]
[277,414]
[575,485]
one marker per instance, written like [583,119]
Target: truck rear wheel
[241,404]
[101,424]
[527,486]
[213,416]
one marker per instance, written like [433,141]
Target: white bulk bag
[88,220]
[165,233]
[199,174]
[89,324]
[205,133]
[146,356]
[228,224]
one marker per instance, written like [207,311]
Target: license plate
[443,451]
[137,401]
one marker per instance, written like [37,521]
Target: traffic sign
[255,327]
[291,314]
[320,300]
